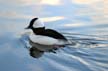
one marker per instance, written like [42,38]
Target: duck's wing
[54,34]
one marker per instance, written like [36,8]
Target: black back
[54,34]
[48,32]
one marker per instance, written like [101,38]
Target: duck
[44,36]
[42,39]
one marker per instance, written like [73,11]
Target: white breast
[45,40]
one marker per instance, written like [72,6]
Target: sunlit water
[86,24]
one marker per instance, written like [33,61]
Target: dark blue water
[84,23]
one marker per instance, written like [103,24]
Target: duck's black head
[36,25]
[31,23]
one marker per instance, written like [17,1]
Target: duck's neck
[38,31]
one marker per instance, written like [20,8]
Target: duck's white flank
[43,40]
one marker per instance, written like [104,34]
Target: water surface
[82,21]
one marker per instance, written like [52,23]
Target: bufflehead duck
[45,36]
[38,28]
[42,39]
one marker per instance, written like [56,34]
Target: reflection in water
[36,53]
[37,50]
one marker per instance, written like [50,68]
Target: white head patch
[38,23]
